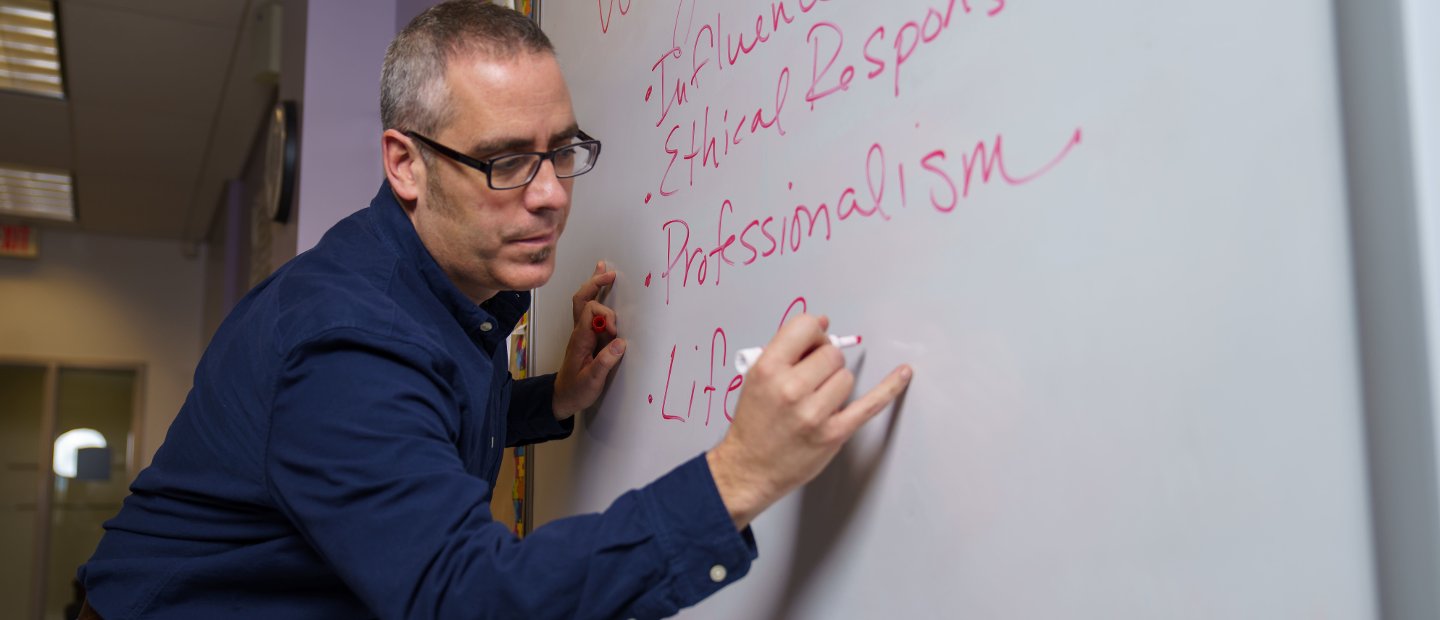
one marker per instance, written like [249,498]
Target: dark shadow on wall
[827,507]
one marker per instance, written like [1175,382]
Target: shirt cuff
[702,549]
[532,416]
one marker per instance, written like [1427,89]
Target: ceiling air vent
[29,49]
[30,192]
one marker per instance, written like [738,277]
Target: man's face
[491,240]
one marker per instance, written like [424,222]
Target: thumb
[605,361]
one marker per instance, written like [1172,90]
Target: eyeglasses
[519,169]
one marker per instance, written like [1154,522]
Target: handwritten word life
[719,351]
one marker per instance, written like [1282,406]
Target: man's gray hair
[413,93]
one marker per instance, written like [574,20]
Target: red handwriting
[990,161]
[705,147]
[909,37]
[818,33]
[678,95]
[719,351]
[763,237]
[710,133]
[798,301]
[665,396]
[606,14]
[712,43]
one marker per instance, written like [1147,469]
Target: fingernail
[617,347]
[906,372]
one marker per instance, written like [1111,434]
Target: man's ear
[403,165]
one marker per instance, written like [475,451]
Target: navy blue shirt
[336,456]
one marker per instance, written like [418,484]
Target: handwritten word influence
[714,130]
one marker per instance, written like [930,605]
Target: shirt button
[717,573]
[487,326]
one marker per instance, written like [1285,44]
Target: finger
[591,289]
[819,366]
[606,280]
[863,409]
[597,370]
[795,338]
[583,341]
[827,399]
[596,309]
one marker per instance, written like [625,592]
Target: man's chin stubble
[539,256]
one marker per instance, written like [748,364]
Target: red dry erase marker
[598,323]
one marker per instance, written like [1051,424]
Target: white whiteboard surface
[1422,34]
[1136,390]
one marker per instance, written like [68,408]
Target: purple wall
[340,136]
[406,10]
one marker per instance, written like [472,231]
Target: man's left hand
[590,356]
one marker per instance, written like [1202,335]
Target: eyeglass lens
[513,171]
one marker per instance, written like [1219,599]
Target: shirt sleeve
[532,414]
[361,458]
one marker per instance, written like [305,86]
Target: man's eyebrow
[565,134]
[490,147]
[487,148]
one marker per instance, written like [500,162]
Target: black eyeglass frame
[485,166]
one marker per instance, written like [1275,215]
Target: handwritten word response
[699,126]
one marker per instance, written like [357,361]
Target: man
[336,454]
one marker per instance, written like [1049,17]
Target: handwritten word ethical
[718,129]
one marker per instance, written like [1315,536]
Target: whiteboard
[1111,238]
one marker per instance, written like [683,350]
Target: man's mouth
[537,240]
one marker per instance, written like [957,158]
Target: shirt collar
[500,312]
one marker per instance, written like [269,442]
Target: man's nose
[545,190]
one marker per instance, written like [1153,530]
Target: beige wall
[114,299]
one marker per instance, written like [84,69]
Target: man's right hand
[789,422]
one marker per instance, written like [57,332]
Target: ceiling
[164,100]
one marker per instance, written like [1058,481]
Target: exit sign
[18,240]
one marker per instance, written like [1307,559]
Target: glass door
[94,415]
[67,436]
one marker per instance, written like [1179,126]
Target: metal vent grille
[29,48]
[36,193]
